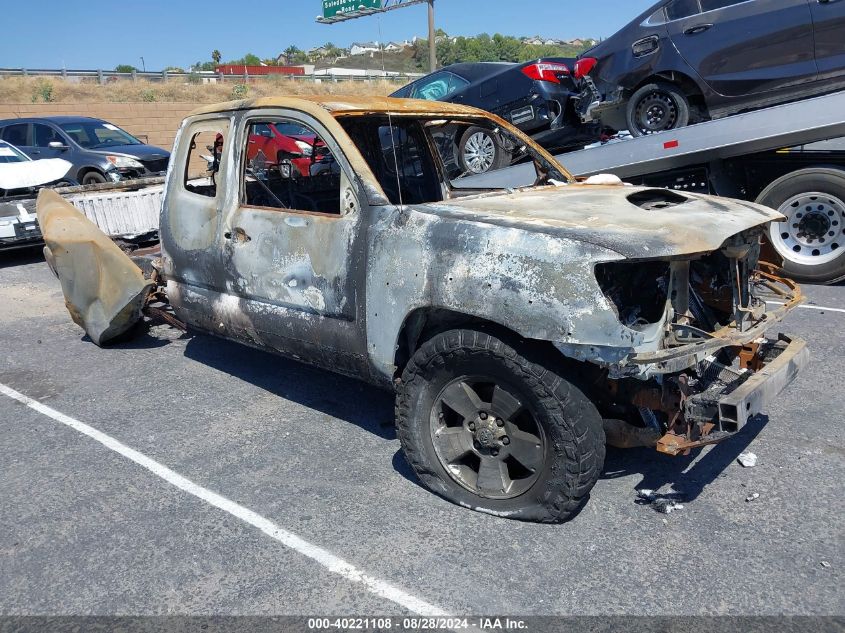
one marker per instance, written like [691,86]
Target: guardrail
[106,76]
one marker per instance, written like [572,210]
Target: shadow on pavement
[686,478]
[335,395]
[22,256]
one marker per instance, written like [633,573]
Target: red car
[282,140]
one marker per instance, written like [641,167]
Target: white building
[359,48]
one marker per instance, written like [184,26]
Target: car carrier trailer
[760,156]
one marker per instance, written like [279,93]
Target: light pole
[432,44]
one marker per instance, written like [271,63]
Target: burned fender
[104,290]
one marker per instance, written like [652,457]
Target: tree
[250,59]
[216,56]
[332,50]
[124,68]
[507,47]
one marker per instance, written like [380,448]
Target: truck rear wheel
[811,240]
[488,429]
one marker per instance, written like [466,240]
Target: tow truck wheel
[480,151]
[811,240]
[491,430]
[657,107]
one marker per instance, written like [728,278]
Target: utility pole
[143,65]
[432,44]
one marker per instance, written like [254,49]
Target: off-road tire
[575,445]
[670,95]
[825,180]
[501,157]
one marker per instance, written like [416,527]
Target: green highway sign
[333,8]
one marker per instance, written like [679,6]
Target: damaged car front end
[699,365]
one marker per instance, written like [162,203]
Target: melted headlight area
[713,369]
[638,291]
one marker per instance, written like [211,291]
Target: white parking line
[809,307]
[332,563]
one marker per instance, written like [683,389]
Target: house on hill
[320,51]
[362,48]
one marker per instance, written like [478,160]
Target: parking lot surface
[86,530]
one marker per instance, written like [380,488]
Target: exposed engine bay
[712,367]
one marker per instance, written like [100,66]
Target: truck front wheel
[491,430]
[811,240]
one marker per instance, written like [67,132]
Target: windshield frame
[543,157]
[90,126]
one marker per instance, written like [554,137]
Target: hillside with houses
[411,56]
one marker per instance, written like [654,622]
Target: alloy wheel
[479,152]
[486,438]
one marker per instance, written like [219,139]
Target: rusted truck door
[293,249]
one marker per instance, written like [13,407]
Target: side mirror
[58,145]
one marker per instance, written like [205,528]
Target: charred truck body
[514,325]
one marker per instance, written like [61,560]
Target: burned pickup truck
[518,327]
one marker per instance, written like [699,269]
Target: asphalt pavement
[303,504]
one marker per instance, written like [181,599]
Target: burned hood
[636,222]
[104,290]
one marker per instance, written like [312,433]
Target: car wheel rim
[656,112]
[479,152]
[486,438]
[812,233]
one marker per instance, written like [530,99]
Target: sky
[81,35]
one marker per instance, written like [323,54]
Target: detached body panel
[104,290]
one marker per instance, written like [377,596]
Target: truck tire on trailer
[489,429]
[812,239]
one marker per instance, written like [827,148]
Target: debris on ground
[747,459]
[753,496]
[666,506]
[646,495]
[662,503]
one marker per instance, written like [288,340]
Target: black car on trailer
[536,96]
[685,61]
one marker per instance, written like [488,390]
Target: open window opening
[289,166]
[470,153]
[202,167]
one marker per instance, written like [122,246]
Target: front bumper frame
[723,399]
